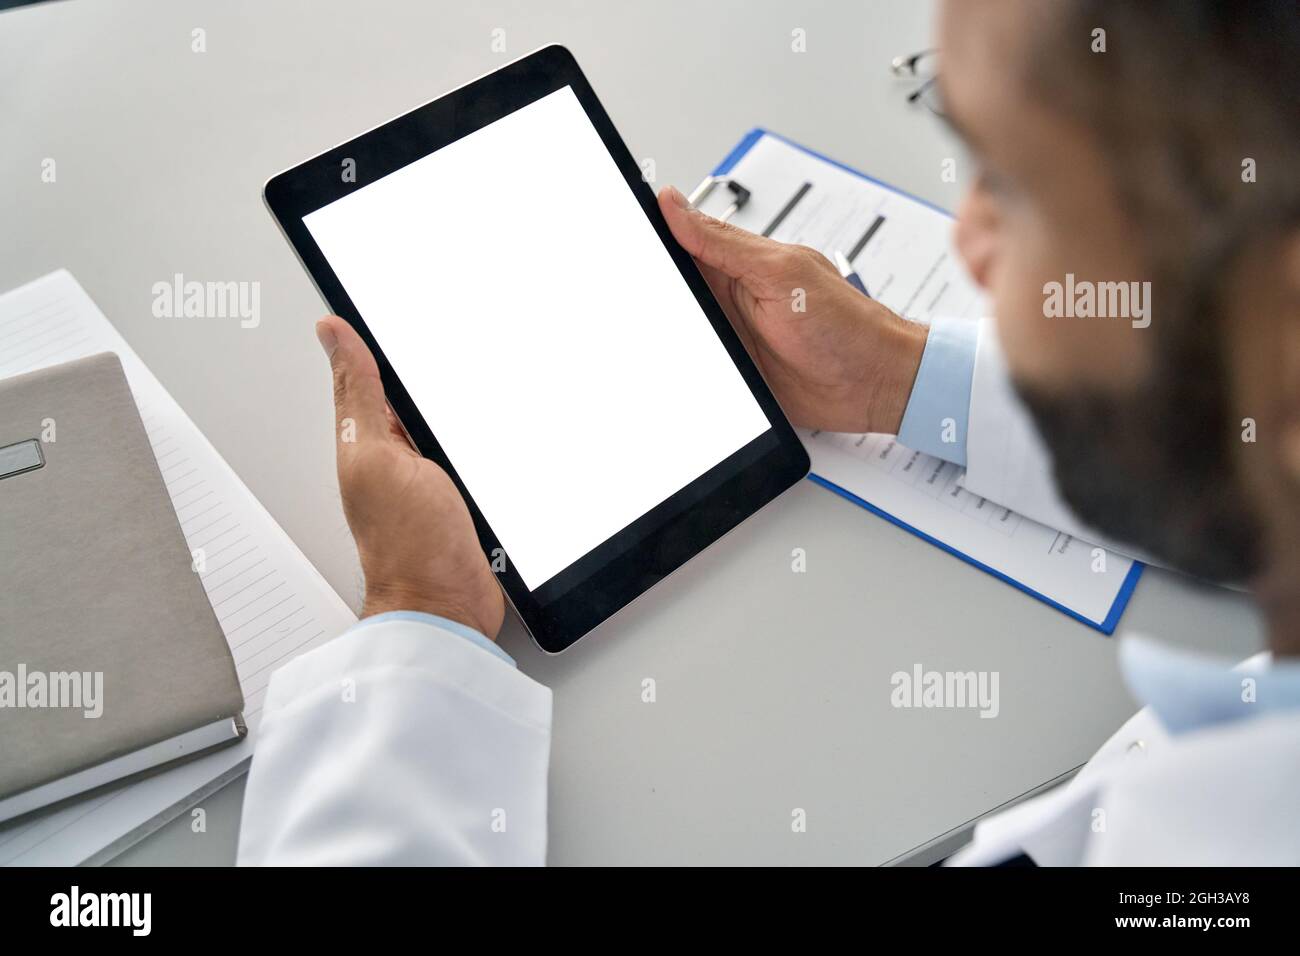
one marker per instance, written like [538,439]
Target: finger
[722,286]
[359,402]
[730,249]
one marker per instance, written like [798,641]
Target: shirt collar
[1189,690]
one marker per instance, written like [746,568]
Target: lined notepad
[271,602]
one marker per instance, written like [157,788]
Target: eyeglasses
[923,66]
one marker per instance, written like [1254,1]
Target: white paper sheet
[903,251]
[270,600]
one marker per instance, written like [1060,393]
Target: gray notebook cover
[95,576]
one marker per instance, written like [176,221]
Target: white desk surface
[773,687]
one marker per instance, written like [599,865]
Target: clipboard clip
[739,194]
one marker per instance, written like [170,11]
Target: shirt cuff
[455,627]
[938,410]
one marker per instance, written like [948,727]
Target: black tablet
[543,337]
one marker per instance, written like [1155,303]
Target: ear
[976,233]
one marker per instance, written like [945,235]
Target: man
[1168,153]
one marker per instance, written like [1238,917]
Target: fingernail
[676,198]
[328,340]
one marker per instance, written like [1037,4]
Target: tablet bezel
[626,565]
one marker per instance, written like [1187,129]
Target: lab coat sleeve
[1006,460]
[401,743]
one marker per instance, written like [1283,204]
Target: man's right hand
[844,363]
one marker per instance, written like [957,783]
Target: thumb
[733,251]
[358,390]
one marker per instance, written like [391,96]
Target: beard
[1155,467]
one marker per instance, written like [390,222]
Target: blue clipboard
[1117,607]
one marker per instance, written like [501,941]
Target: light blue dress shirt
[455,627]
[1189,691]
[938,410]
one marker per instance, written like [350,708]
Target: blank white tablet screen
[541,329]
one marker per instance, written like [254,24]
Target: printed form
[902,249]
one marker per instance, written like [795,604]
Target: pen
[846,270]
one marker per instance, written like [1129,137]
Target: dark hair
[1185,92]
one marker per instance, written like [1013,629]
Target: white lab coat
[402,743]
[399,743]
